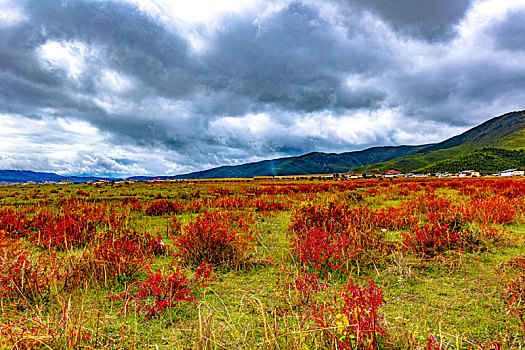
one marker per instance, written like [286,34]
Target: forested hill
[311,163]
[505,132]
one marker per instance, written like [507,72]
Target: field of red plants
[362,264]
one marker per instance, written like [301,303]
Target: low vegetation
[361,264]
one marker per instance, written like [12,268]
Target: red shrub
[82,193]
[147,243]
[211,238]
[163,207]
[160,291]
[427,203]
[13,223]
[326,251]
[494,210]
[121,258]
[269,205]
[353,321]
[341,218]
[63,231]
[133,202]
[194,206]
[431,239]
[335,236]
[331,218]
[24,276]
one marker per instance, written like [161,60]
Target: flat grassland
[362,264]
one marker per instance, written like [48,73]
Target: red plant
[269,205]
[82,193]
[353,320]
[13,223]
[133,202]
[160,290]
[163,207]
[24,276]
[211,238]
[333,236]
[119,258]
[62,231]
[434,344]
[493,210]
[431,239]
[147,243]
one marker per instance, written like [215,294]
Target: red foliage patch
[353,320]
[164,207]
[161,290]
[211,238]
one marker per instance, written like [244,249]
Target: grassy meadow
[362,264]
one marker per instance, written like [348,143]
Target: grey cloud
[509,33]
[432,20]
[295,60]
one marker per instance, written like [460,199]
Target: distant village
[390,174]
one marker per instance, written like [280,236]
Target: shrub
[24,276]
[211,238]
[133,202]
[163,290]
[74,228]
[333,237]
[13,223]
[146,242]
[431,240]
[163,207]
[493,210]
[119,258]
[353,320]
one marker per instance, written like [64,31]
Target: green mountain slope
[503,132]
[311,163]
[486,160]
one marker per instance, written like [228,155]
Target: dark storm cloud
[303,77]
[131,41]
[294,60]
[430,19]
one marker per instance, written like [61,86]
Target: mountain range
[496,144]
[487,144]
[21,176]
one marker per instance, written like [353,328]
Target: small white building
[512,172]
[469,173]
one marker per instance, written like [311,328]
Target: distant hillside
[486,160]
[503,132]
[311,163]
[21,176]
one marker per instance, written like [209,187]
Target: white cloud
[115,82]
[193,11]
[67,56]
[10,13]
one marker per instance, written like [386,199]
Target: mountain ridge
[310,163]
[505,132]
[22,176]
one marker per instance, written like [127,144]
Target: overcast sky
[166,87]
